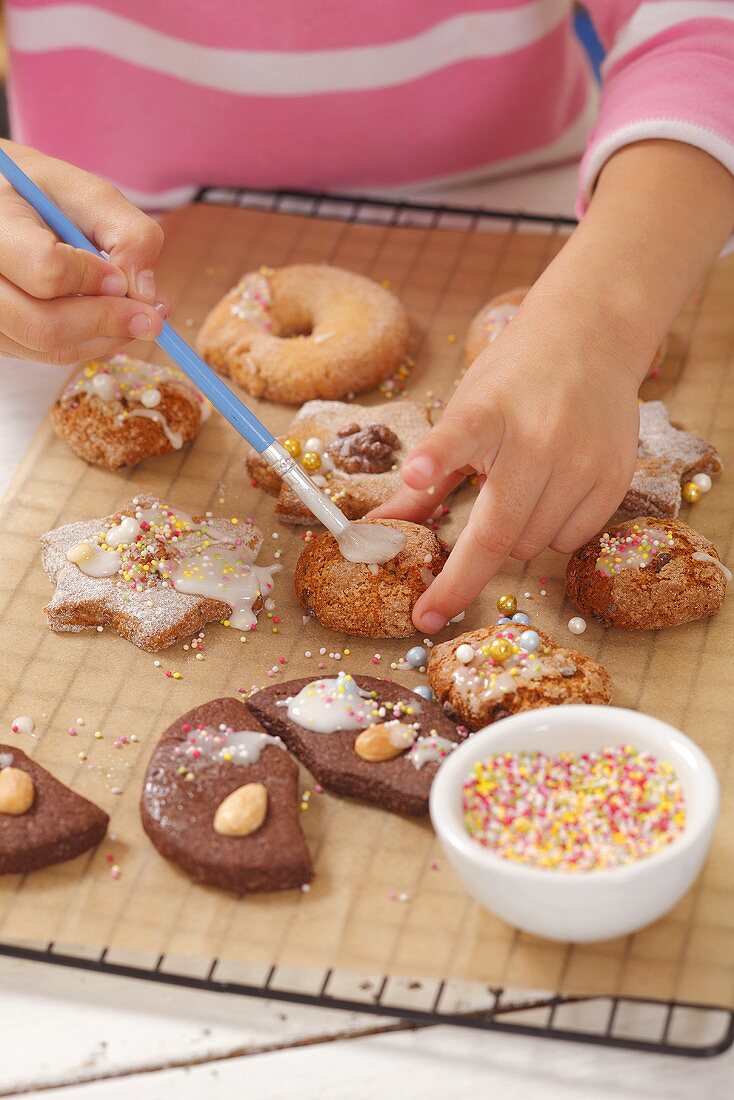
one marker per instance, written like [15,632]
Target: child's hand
[547,417]
[60,304]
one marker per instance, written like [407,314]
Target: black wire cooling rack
[644,1024]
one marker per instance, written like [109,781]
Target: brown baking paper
[378,905]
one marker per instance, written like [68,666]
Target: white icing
[6,759]
[253,300]
[701,555]
[427,577]
[370,543]
[104,386]
[428,750]
[632,551]
[93,560]
[482,678]
[227,746]
[227,575]
[326,706]
[24,724]
[124,532]
[373,568]
[174,438]
[498,319]
[400,735]
[150,398]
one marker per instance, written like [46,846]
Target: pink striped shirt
[162,96]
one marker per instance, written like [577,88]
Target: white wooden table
[86,1036]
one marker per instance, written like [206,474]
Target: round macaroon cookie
[372,601]
[646,574]
[490,673]
[306,331]
[116,413]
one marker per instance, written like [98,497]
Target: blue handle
[203,377]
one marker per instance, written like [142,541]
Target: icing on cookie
[370,543]
[326,706]
[429,750]
[498,319]
[227,575]
[701,555]
[130,381]
[254,300]
[485,677]
[94,560]
[225,745]
[6,759]
[633,551]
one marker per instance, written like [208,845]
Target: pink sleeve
[669,73]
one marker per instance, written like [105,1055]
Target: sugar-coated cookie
[306,331]
[221,800]
[646,574]
[667,459]
[488,674]
[353,454]
[42,821]
[373,601]
[154,573]
[117,412]
[361,736]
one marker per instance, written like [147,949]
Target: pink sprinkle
[281,660]
[276,618]
[393,895]
[433,864]
[318,788]
[110,858]
[186,728]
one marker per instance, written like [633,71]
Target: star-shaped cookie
[666,458]
[352,452]
[154,574]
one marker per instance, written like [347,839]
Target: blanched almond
[83,551]
[243,811]
[384,741]
[16,791]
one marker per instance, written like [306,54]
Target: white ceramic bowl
[582,905]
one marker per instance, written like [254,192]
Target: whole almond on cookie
[243,811]
[16,791]
[384,741]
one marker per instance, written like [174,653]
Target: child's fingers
[33,259]
[496,520]
[587,519]
[560,497]
[65,323]
[100,348]
[414,504]
[460,439]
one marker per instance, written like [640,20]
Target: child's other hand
[547,417]
[59,304]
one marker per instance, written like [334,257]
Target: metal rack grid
[653,1025]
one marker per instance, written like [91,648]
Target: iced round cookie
[306,331]
[118,412]
[372,601]
[488,674]
[647,574]
[353,453]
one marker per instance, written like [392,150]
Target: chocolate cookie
[154,573]
[221,800]
[353,453]
[116,413]
[667,458]
[361,736]
[488,674]
[41,820]
[369,600]
[646,574]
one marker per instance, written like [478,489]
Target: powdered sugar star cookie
[352,452]
[666,458]
[154,574]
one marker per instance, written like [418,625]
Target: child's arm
[548,412]
[57,303]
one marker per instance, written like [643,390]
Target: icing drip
[93,560]
[633,551]
[6,759]
[498,319]
[484,678]
[225,745]
[254,300]
[429,750]
[227,575]
[326,706]
[701,555]
[174,438]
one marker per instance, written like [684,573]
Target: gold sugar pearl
[507,604]
[292,446]
[691,492]
[500,649]
[311,461]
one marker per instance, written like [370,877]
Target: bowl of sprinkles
[576,823]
